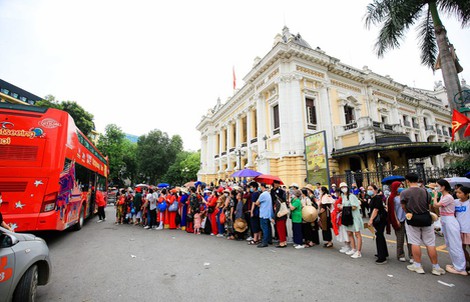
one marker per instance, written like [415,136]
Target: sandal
[252,242]
[328,245]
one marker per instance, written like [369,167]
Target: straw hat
[309,213]
[240,225]
[343,184]
[432,185]
[310,187]
[184,190]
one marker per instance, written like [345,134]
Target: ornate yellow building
[295,91]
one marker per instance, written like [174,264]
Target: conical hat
[309,213]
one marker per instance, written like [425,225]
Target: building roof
[21,92]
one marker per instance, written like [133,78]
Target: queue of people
[258,213]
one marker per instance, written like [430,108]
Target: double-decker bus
[48,169]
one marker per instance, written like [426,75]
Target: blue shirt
[266,206]
[401,215]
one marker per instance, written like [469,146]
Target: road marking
[440,248]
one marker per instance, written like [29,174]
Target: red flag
[467,131]
[234,79]
[459,121]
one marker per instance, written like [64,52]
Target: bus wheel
[26,288]
[78,226]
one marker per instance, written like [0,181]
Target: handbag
[173,207]
[222,218]
[420,220]
[210,210]
[162,206]
[346,216]
[283,210]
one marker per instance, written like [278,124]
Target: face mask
[344,190]
[400,190]
[259,189]
[370,192]
[438,189]
[251,190]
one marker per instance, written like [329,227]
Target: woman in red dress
[170,199]
[212,211]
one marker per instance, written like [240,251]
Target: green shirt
[297,213]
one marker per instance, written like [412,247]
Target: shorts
[255,224]
[420,235]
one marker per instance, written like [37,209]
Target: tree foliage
[397,16]
[461,147]
[184,168]
[112,143]
[156,152]
[83,119]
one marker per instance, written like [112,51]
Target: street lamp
[239,153]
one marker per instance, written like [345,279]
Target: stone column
[228,146]
[326,120]
[261,119]
[249,121]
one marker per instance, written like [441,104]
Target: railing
[429,127]
[244,145]
[254,140]
[407,123]
[376,124]
[388,127]
[350,126]
[362,179]
[224,153]
[276,131]
[231,150]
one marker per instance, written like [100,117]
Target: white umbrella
[458,180]
[142,185]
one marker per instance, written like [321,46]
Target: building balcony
[416,125]
[276,131]
[244,145]
[311,126]
[429,128]
[350,126]
[407,123]
[254,140]
[224,153]
[231,150]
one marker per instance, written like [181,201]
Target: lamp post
[239,153]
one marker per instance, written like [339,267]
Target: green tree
[112,143]
[397,16]
[184,168]
[461,147]
[156,152]
[82,118]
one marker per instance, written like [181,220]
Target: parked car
[24,264]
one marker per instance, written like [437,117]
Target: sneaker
[380,262]
[350,252]
[356,255]
[451,269]
[99,220]
[344,249]
[219,235]
[412,261]
[402,259]
[300,246]
[146,227]
[414,268]
[249,238]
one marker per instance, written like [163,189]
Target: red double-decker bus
[48,169]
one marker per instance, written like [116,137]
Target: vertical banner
[316,158]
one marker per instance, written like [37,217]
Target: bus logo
[7,125]
[49,123]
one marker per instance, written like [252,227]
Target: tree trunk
[448,68]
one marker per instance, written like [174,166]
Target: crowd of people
[259,213]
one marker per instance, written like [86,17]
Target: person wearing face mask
[396,218]
[254,214]
[3,224]
[378,219]
[354,230]
[451,229]
[462,213]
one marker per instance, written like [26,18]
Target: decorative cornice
[310,71]
[378,93]
[346,86]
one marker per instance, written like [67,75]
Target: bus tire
[81,220]
[26,288]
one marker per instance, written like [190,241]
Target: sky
[146,65]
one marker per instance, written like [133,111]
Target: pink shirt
[447,206]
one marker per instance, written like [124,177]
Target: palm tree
[397,16]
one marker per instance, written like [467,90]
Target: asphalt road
[107,262]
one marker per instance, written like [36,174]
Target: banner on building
[316,155]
